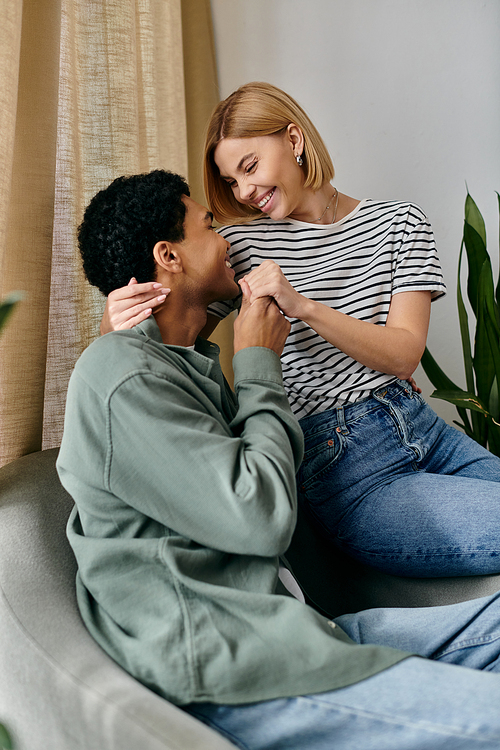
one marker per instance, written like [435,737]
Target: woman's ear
[296,138]
[167,256]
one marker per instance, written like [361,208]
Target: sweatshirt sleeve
[172,456]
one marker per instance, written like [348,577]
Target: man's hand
[260,323]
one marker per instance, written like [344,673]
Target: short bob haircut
[257,109]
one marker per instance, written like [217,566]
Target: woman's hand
[129,305]
[414,386]
[268,280]
[395,348]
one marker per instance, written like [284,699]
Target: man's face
[205,256]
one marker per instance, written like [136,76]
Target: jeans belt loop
[380,393]
[342,428]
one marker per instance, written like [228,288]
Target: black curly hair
[123,223]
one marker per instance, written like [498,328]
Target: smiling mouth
[265,200]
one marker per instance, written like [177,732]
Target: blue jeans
[417,704]
[390,483]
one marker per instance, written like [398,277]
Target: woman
[383,477]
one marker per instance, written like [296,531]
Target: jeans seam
[401,721]
[304,484]
[404,426]
[415,552]
[467,643]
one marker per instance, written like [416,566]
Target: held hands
[268,280]
[259,323]
[129,305]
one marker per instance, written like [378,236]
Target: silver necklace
[336,196]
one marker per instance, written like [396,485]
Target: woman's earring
[300,161]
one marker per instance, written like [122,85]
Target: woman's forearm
[395,348]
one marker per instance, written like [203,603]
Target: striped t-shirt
[354,266]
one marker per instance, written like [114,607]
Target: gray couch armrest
[58,688]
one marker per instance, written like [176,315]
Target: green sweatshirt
[185,498]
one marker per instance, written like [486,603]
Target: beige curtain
[89,90]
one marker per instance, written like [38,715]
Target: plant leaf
[476,429]
[435,374]
[497,290]
[5,741]
[464,399]
[476,255]
[487,353]
[7,306]
[442,382]
[474,238]
[493,332]
[482,369]
[474,218]
[494,437]
[494,402]
[464,329]
[484,366]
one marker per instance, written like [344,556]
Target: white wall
[406,94]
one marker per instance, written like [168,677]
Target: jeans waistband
[341,415]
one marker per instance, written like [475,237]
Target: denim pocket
[320,459]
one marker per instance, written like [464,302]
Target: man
[185,499]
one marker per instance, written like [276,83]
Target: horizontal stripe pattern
[354,266]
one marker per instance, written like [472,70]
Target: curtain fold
[90,90]
[27,216]
[121,111]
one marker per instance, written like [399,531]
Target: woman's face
[263,172]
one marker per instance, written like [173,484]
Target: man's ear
[167,256]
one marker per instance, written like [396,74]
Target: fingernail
[161,298]
[166,291]
[157,285]
[147,312]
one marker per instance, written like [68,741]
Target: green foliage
[479,406]
[7,306]
[5,741]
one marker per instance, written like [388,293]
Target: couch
[59,690]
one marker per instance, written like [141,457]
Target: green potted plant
[7,306]
[478,406]
[5,741]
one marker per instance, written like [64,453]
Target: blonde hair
[258,109]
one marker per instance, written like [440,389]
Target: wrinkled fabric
[185,498]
